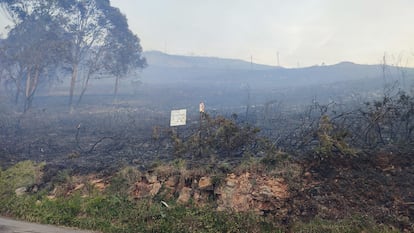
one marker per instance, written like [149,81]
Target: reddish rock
[247,192]
[143,189]
[171,182]
[79,186]
[151,179]
[200,198]
[185,195]
[155,188]
[205,183]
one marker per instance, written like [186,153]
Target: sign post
[202,107]
[202,112]
[178,117]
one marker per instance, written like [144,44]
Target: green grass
[351,225]
[23,174]
[121,214]
[112,212]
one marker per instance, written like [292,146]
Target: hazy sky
[303,32]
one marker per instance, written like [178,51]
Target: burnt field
[96,136]
[101,136]
[331,161]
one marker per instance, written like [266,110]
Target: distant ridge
[182,81]
[157,58]
[161,59]
[196,71]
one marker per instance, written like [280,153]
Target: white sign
[178,117]
[202,107]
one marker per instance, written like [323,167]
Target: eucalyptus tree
[3,65]
[34,46]
[2,70]
[95,35]
[12,61]
[86,22]
[19,10]
[93,67]
[123,52]
[99,31]
[12,68]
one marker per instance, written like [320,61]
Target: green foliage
[249,164]
[179,147]
[91,36]
[387,121]
[63,176]
[331,140]
[219,137]
[62,211]
[190,219]
[228,137]
[23,174]
[180,164]
[217,179]
[351,225]
[123,180]
[112,213]
[271,159]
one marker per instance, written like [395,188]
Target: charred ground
[336,164]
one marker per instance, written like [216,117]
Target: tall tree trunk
[92,69]
[72,85]
[31,86]
[19,80]
[116,89]
[85,86]
[28,83]
[27,92]
[18,89]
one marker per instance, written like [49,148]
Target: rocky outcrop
[240,193]
[185,195]
[248,192]
[171,182]
[205,183]
[98,184]
[147,187]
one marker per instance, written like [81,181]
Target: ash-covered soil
[374,183]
